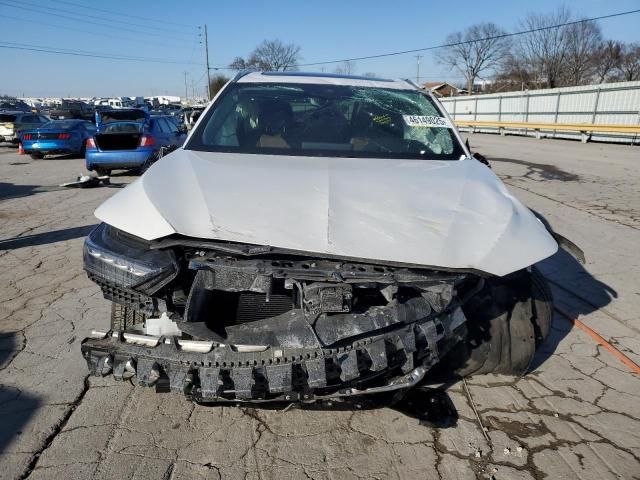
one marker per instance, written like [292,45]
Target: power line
[90,32]
[119,21]
[127,14]
[22,7]
[83,53]
[493,37]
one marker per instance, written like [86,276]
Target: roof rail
[242,73]
[412,83]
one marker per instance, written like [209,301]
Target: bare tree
[347,67]
[545,51]
[477,50]
[607,60]
[270,55]
[630,62]
[514,74]
[582,42]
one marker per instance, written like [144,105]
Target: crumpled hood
[454,214]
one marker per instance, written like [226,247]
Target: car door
[168,134]
[78,135]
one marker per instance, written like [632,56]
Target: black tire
[102,171]
[506,323]
[125,317]
[36,155]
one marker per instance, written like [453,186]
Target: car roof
[323,79]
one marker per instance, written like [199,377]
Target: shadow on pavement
[46,237]
[570,280]
[11,190]
[17,406]
[431,405]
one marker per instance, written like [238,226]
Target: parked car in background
[128,139]
[15,105]
[170,109]
[12,124]
[190,116]
[58,137]
[70,109]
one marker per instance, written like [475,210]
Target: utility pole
[186,92]
[418,57]
[206,54]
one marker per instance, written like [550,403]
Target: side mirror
[478,156]
[481,158]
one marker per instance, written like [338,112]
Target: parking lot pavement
[577,415]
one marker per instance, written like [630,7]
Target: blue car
[130,139]
[57,137]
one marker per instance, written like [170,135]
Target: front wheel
[506,323]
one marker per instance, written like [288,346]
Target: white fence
[608,103]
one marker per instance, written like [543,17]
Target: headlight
[126,261]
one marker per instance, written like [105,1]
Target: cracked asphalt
[576,415]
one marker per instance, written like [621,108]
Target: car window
[7,118]
[29,119]
[327,120]
[43,118]
[163,125]
[171,126]
[60,124]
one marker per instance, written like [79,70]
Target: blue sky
[326,30]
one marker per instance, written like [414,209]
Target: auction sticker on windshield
[429,121]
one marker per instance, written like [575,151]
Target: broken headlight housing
[120,259]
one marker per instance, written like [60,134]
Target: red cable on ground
[600,340]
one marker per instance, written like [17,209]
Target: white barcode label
[428,121]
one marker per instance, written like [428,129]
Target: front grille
[232,308]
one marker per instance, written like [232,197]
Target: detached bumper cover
[210,372]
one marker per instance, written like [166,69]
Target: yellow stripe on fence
[566,127]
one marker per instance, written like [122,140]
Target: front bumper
[209,372]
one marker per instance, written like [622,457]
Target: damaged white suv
[317,236]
